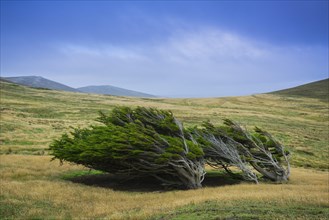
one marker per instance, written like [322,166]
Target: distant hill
[112,90]
[39,82]
[318,89]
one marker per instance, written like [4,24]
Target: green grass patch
[11,208]
[245,209]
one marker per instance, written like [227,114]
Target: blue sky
[168,48]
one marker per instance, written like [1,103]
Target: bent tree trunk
[277,175]
[190,171]
[223,154]
[192,174]
[265,153]
[187,176]
[234,146]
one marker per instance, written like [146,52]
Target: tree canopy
[148,141]
[137,141]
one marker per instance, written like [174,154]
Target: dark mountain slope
[39,82]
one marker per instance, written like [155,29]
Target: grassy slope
[31,118]
[33,187]
[318,90]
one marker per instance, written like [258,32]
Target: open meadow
[34,187]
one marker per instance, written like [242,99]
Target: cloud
[103,51]
[194,62]
[204,44]
[210,44]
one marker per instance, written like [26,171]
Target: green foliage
[146,141]
[153,142]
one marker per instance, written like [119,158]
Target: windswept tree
[136,142]
[151,142]
[232,145]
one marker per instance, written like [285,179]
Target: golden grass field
[34,187]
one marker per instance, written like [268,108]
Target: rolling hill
[284,116]
[318,90]
[35,187]
[39,82]
[112,90]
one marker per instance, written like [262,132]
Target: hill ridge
[41,82]
[317,89]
